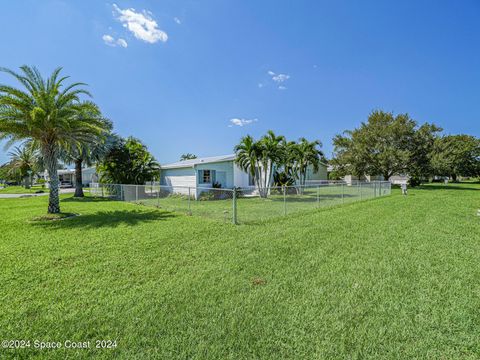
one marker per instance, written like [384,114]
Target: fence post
[136,193]
[284,200]
[234,206]
[343,193]
[361,195]
[102,192]
[121,192]
[375,189]
[158,196]
[189,199]
[318,195]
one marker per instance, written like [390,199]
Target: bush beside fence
[242,205]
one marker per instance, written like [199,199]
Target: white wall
[240,177]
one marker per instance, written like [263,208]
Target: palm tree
[23,162]
[259,158]
[247,155]
[272,154]
[306,154]
[48,114]
[187,156]
[88,154]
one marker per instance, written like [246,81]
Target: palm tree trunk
[78,178]
[26,182]
[50,156]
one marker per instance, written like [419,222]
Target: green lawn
[22,190]
[391,278]
[253,209]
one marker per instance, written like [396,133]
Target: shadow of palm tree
[86,199]
[108,219]
[447,187]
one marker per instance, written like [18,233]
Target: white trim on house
[198,161]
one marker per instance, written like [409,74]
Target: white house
[204,172]
[67,176]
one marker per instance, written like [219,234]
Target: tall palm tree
[305,154]
[88,153]
[272,154]
[52,116]
[259,158]
[247,157]
[24,161]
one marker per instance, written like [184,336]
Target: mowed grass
[390,278]
[253,209]
[21,190]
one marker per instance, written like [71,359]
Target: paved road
[11,196]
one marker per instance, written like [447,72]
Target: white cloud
[281,87]
[177,20]
[140,24]
[260,85]
[122,43]
[241,122]
[278,78]
[110,41]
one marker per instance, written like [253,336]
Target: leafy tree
[457,155]
[187,156]
[24,161]
[385,144]
[421,152]
[89,153]
[49,115]
[128,162]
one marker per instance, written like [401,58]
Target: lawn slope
[389,278]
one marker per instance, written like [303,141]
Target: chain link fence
[243,205]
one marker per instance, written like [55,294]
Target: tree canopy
[128,162]
[386,144]
[50,115]
[456,155]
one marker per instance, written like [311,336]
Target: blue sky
[195,76]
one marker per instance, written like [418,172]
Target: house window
[206,176]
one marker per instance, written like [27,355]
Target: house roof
[197,161]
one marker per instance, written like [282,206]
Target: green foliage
[128,162]
[352,282]
[385,145]
[273,158]
[187,156]
[457,155]
[49,115]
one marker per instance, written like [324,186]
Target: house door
[221,178]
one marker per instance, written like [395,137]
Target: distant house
[204,172]
[67,176]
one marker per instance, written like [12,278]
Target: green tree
[187,156]
[303,155]
[50,115]
[89,153]
[420,166]
[128,162]
[457,155]
[259,158]
[384,145]
[24,162]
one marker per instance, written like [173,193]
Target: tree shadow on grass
[86,199]
[312,198]
[447,187]
[108,219]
